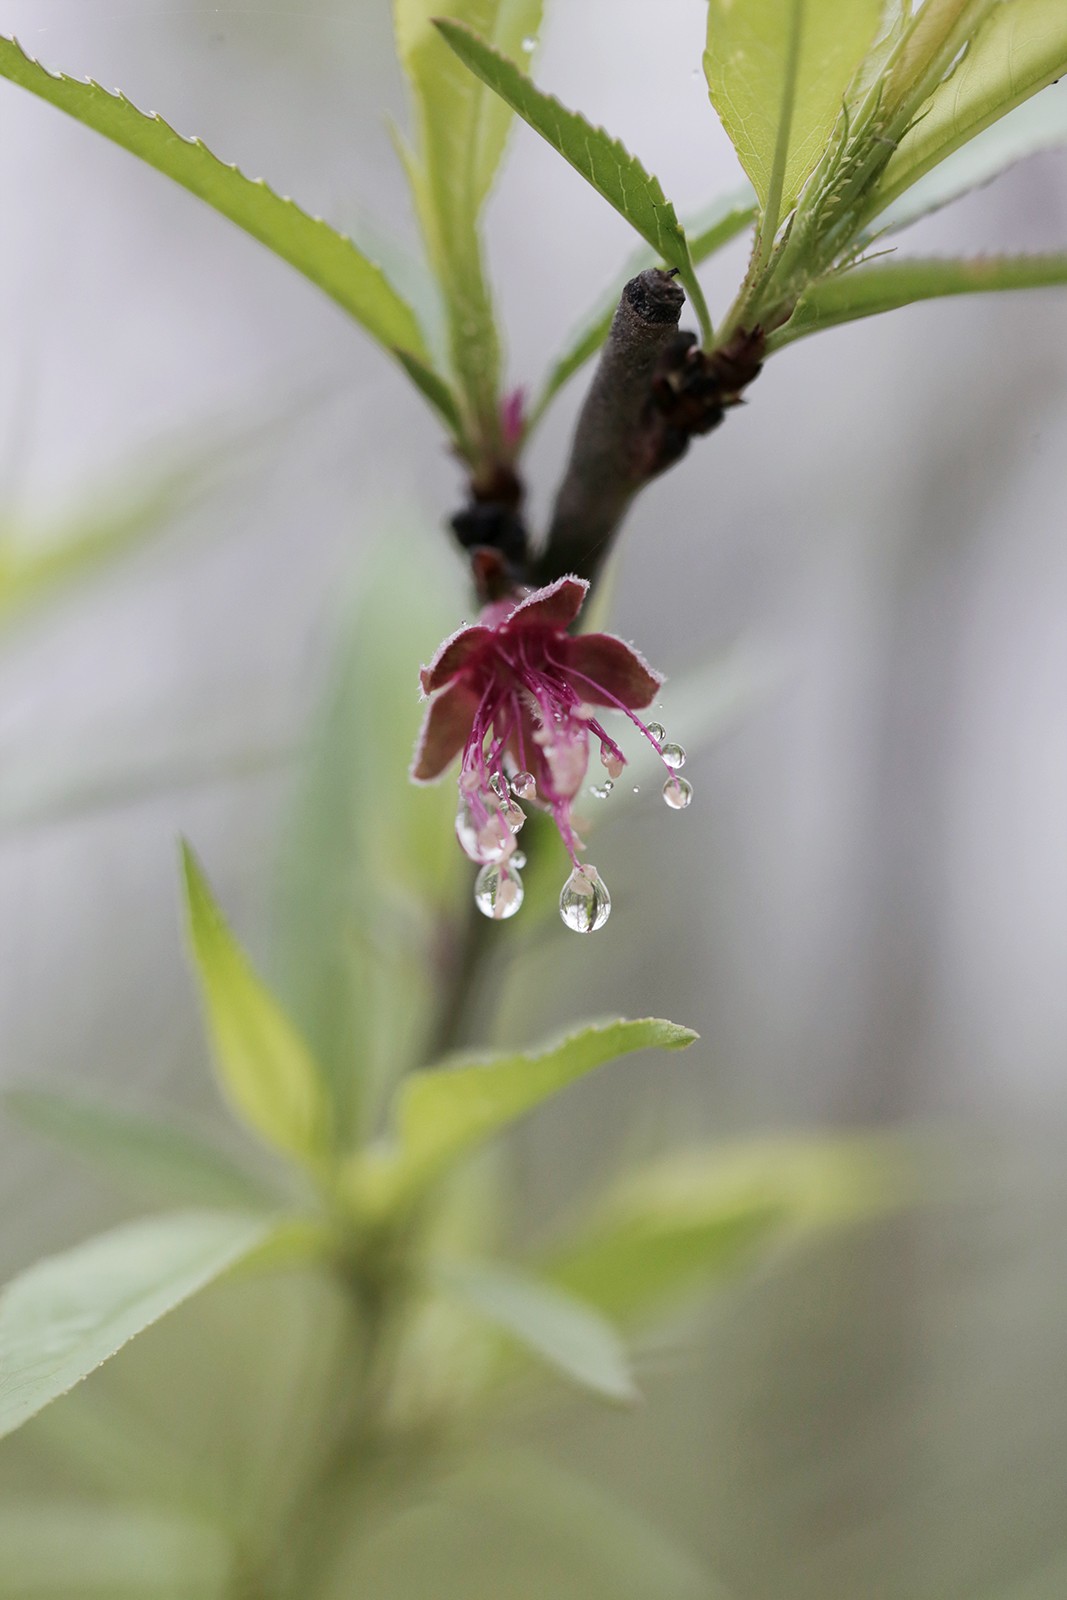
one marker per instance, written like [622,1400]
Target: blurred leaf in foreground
[64,1316]
[55,1550]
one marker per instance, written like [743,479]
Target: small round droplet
[677,793]
[499,785]
[585,904]
[498,891]
[658,731]
[673,755]
[601,790]
[636,789]
[524,786]
[517,858]
[611,763]
[513,815]
[529,44]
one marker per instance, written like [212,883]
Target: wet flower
[519,697]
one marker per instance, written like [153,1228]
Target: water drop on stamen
[498,891]
[513,815]
[658,731]
[524,785]
[612,763]
[585,904]
[517,858]
[493,839]
[601,790]
[673,755]
[499,785]
[677,793]
[467,831]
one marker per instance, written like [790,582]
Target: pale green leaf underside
[56,1549]
[677,1227]
[707,233]
[444,1113]
[62,1318]
[137,1152]
[1040,123]
[326,257]
[546,1320]
[615,174]
[1021,48]
[887,285]
[747,65]
[264,1067]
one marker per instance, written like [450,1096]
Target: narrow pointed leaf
[62,1318]
[55,1549]
[264,1066]
[148,1157]
[1040,123]
[709,232]
[615,174]
[326,257]
[761,89]
[444,1113]
[887,285]
[1020,49]
[461,131]
[549,1322]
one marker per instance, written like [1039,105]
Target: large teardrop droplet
[677,793]
[498,891]
[585,904]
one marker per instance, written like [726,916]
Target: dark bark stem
[618,439]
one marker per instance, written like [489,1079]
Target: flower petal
[606,671]
[453,656]
[555,606]
[445,730]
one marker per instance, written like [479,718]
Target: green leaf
[326,257]
[1038,124]
[715,227]
[616,175]
[551,1324]
[461,132]
[149,1157]
[370,873]
[443,1114]
[685,1222]
[264,1067]
[778,72]
[1020,48]
[56,1550]
[887,285]
[62,1318]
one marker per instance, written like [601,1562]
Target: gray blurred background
[864,912]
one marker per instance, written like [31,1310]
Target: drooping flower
[518,696]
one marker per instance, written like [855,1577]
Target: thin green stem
[773,207]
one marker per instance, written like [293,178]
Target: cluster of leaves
[850,119]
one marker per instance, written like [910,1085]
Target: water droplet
[467,830]
[490,841]
[658,731]
[677,793]
[524,786]
[673,755]
[636,789]
[499,785]
[517,858]
[498,891]
[513,815]
[601,790]
[585,904]
[612,763]
[529,44]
